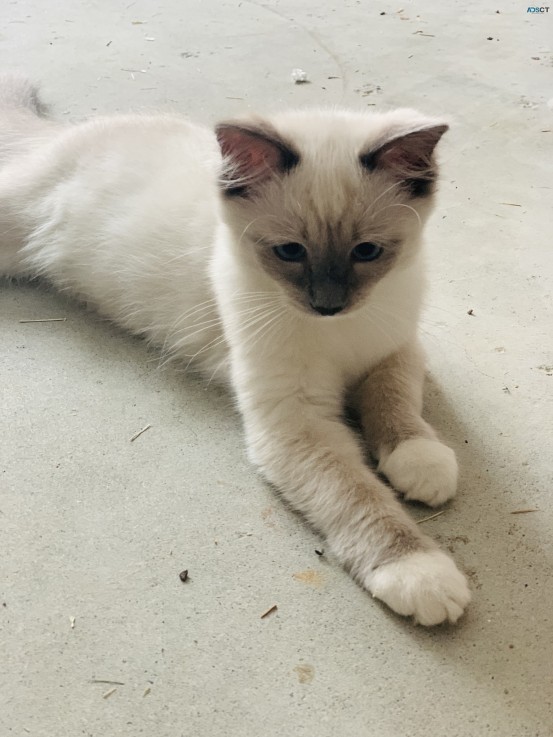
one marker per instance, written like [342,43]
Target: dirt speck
[451,542]
[267,516]
[305,672]
[310,577]
[473,576]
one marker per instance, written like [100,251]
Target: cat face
[328,203]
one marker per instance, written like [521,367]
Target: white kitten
[283,256]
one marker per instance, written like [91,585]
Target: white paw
[424,470]
[428,586]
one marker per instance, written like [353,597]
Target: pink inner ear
[397,157]
[253,156]
[412,153]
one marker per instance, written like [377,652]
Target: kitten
[282,256]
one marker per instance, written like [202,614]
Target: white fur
[110,215]
[125,213]
[426,586]
[424,470]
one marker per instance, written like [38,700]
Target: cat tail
[24,121]
[17,93]
[24,130]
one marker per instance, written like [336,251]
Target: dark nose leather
[327,310]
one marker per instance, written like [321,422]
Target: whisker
[206,324]
[248,226]
[422,322]
[264,327]
[215,370]
[430,306]
[221,339]
[388,189]
[202,310]
[187,253]
[212,304]
[260,332]
[378,323]
[405,318]
[401,204]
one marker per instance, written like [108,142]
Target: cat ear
[408,157]
[252,154]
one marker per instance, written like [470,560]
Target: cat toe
[427,586]
[423,470]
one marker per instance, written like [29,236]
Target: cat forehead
[330,196]
[329,204]
[325,211]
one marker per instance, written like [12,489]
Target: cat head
[328,203]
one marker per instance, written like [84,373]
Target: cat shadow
[491,643]
[499,552]
[90,339]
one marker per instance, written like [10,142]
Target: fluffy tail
[23,121]
[24,128]
[18,93]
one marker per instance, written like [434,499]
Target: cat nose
[327,310]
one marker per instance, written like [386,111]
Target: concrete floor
[96,528]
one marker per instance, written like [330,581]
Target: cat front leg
[410,455]
[318,466]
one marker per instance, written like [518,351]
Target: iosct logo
[542,9]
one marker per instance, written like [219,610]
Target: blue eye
[290,252]
[366,252]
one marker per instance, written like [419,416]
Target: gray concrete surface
[96,528]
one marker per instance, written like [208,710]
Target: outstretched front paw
[425,585]
[422,469]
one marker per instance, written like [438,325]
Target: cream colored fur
[126,214]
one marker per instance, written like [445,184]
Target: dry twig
[270,610]
[47,319]
[432,516]
[139,433]
[524,511]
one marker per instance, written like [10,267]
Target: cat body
[127,262]
[283,257]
